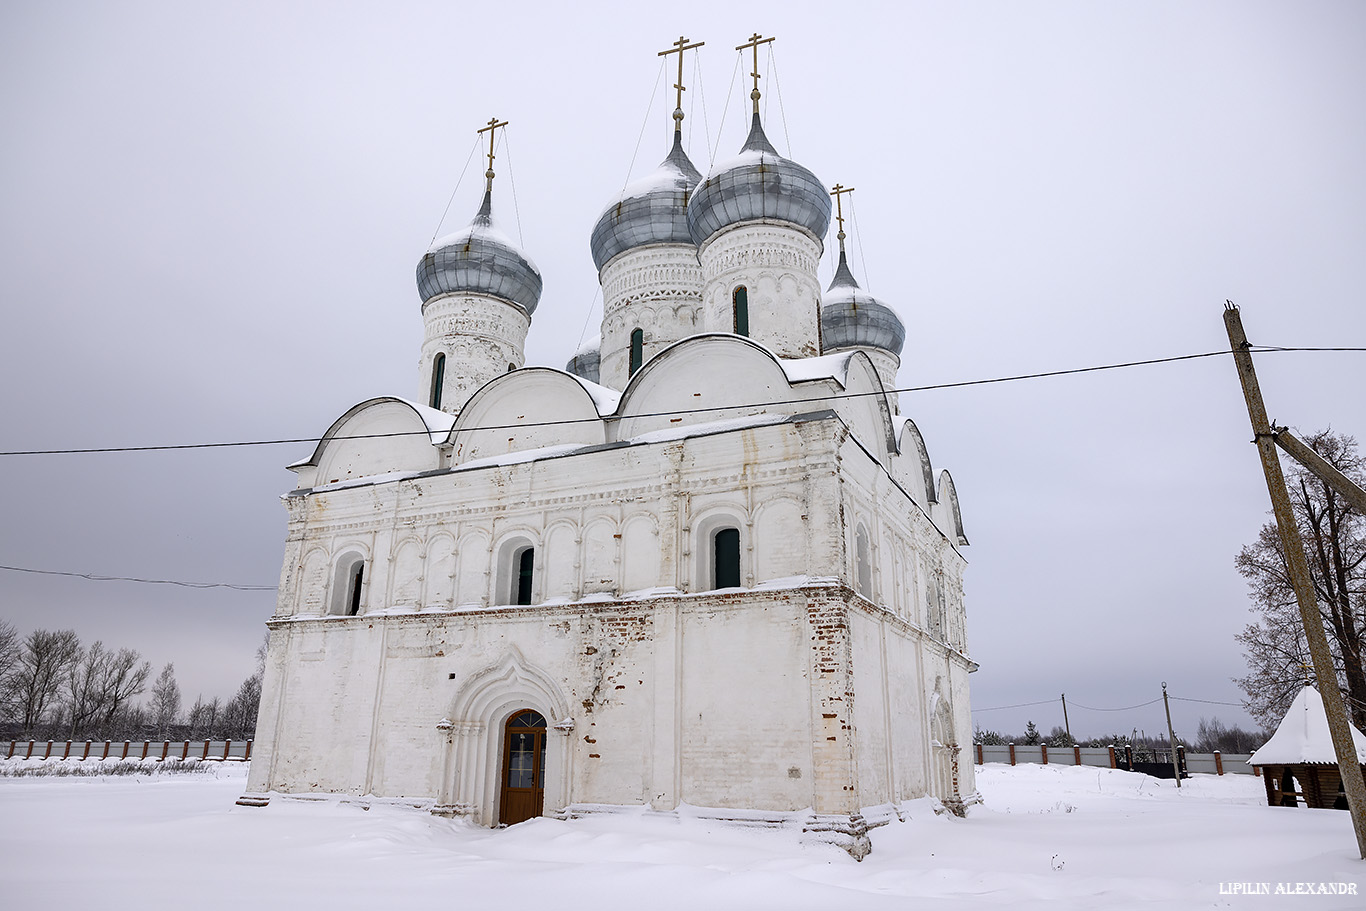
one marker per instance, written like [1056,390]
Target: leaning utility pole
[1349,764]
[1171,736]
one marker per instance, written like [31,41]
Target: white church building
[708,565]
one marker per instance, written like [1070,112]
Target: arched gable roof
[531,408]
[378,436]
[719,377]
[946,513]
[913,462]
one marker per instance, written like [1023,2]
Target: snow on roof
[825,367]
[1303,735]
[438,422]
[604,399]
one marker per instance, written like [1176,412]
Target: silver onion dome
[653,210]
[480,260]
[760,183]
[852,318]
[585,363]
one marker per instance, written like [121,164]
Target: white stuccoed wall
[480,336]
[657,289]
[776,262]
[887,365]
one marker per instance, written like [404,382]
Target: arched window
[726,558]
[438,379]
[740,304]
[863,567]
[511,367]
[522,584]
[348,585]
[637,350]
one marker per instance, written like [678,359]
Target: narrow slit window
[637,350]
[726,546]
[438,379]
[353,589]
[525,561]
[740,302]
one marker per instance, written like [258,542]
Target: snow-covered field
[1048,837]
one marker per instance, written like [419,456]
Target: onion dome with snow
[758,184]
[480,260]
[652,210]
[853,318]
[585,363]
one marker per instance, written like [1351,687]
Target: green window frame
[739,299]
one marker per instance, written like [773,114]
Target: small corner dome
[585,362]
[652,210]
[480,259]
[758,184]
[853,318]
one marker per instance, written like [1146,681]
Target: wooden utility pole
[1065,724]
[1349,764]
[1171,735]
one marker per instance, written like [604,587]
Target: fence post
[227,745]
[29,754]
[979,754]
[66,753]
[145,745]
[106,750]
[247,758]
[1112,756]
[1076,755]
[185,750]
[12,745]
[165,748]
[1129,755]
[1218,763]
[1012,754]
[125,750]
[206,750]
[48,754]
[1044,748]
[1181,759]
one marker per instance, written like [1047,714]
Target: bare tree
[1334,536]
[85,688]
[204,718]
[10,653]
[165,707]
[123,679]
[43,665]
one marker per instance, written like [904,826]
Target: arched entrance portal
[523,792]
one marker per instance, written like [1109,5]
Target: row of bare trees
[53,687]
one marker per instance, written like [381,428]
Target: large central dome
[480,260]
[653,210]
[759,184]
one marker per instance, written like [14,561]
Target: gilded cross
[754,41]
[838,191]
[679,47]
[492,130]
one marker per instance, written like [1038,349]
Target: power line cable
[1125,708]
[656,414]
[96,577]
[1018,705]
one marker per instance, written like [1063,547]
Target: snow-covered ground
[1050,837]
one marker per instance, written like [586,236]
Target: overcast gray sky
[210,219]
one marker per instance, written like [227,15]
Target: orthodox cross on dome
[754,41]
[679,47]
[492,130]
[837,191]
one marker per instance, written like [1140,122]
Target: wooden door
[523,792]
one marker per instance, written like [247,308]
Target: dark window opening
[637,350]
[511,367]
[727,556]
[438,379]
[740,300]
[524,563]
[353,590]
